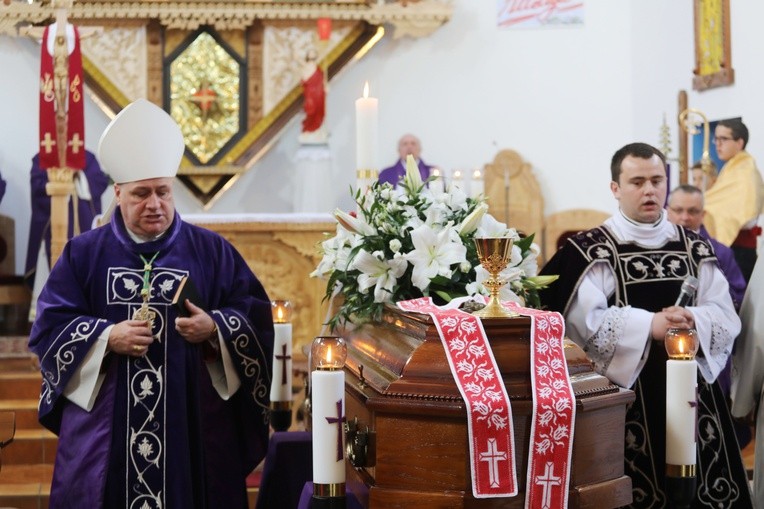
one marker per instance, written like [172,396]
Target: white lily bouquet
[408,242]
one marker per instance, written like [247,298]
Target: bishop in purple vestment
[153,410]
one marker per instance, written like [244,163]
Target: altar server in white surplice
[617,290]
[748,371]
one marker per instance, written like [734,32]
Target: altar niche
[400,388]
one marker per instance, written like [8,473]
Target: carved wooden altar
[228,71]
[282,250]
[399,387]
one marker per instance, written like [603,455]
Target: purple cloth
[39,226]
[158,431]
[729,268]
[395,173]
[288,466]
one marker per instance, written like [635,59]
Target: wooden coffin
[399,388]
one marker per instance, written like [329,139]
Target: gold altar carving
[269,37]
[282,255]
[713,54]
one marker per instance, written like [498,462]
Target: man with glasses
[735,201]
[685,208]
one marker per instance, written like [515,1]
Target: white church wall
[565,98]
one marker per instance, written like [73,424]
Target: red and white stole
[491,434]
[75,117]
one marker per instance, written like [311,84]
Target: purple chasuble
[39,226]
[729,267]
[395,173]
[158,435]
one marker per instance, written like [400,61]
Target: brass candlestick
[493,254]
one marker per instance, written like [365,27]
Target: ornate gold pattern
[164,25]
[284,53]
[416,19]
[204,92]
[120,53]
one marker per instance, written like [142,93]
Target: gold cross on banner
[48,143]
[76,143]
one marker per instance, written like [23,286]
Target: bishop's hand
[198,327]
[130,337]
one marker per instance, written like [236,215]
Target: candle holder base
[681,491]
[281,420]
[328,502]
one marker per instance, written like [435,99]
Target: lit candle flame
[280,314]
[366,90]
[436,172]
[457,174]
[329,354]
[476,174]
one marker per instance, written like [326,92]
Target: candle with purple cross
[281,383]
[328,354]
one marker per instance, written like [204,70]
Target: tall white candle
[328,354]
[437,185]
[281,383]
[366,131]
[477,185]
[328,407]
[681,411]
[456,180]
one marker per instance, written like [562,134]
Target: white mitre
[142,142]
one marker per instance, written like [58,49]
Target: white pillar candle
[281,384]
[456,180]
[477,186]
[366,129]
[328,408]
[437,186]
[681,411]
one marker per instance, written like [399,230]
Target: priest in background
[407,145]
[90,184]
[737,197]
[152,409]
[617,290]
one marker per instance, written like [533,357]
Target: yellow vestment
[735,199]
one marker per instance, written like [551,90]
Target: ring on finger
[137,348]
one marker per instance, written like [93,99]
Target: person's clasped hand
[198,327]
[130,337]
[672,317]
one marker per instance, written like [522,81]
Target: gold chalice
[493,254]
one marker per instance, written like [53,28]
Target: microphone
[689,286]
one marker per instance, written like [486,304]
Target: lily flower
[413,178]
[353,224]
[472,221]
[378,273]
[434,253]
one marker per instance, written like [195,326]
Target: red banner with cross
[74,109]
[491,434]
